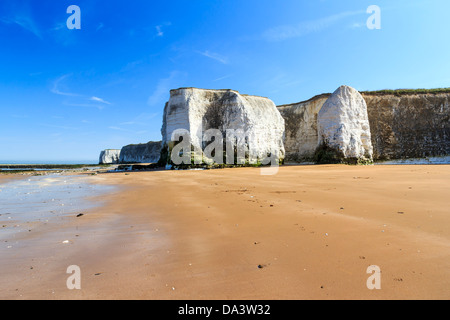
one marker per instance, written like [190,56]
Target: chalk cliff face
[301,139]
[109,156]
[409,125]
[406,125]
[197,110]
[141,153]
[343,125]
[386,125]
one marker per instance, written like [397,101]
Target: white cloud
[223,78]
[214,56]
[159,31]
[97,99]
[82,99]
[285,32]
[58,126]
[142,119]
[56,87]
[58,26]
[25,21]
[357,25]
[84,105]
[131,65]
[100,26]
[116,128]
[159,28]
[160,94]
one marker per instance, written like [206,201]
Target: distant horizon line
[43,162]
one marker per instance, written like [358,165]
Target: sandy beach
[308,232]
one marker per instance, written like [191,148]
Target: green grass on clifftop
[398,92]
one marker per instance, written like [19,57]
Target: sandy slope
[312,230]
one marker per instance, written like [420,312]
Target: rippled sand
[309,232]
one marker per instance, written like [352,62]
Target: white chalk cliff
[343,124]
[197,110]
[141,153]
[380,125]
[301,139]
[109,156]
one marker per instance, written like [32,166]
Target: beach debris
[66,241]
[256,242]
[261,266]
[80,215]
[400,212]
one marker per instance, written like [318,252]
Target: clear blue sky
[67,94]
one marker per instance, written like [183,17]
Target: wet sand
[9,177]
[309,232]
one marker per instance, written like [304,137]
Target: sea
[50,162]
[44,198]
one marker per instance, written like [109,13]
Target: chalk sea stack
[141,153]
[343,127]
[404,124]
[197,110]
[109,156]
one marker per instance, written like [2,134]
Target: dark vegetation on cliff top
[398,92]
[395,92]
